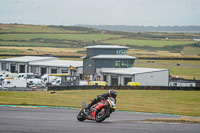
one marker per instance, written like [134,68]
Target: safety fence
[22,89]
[122,88]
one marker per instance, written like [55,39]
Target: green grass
[10,51]
[172,102]
[191,51]
[78,37]
[4,57]
[27,44]
[185,72]
[42,50]
[34,29]
[188,69]
[151,43]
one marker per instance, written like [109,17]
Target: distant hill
[123,28]
[14,36]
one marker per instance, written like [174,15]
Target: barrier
[22,89]
[123,88]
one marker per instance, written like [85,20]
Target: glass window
[123,63]
[130,64]
[121,51]
[3,66]
[64,71]
[33,69]
[117,51]
[117,63]
[53,70]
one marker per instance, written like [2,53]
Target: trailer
[7,83]
[48,79]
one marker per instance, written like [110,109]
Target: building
[55,66]
[20,64]
[105,56]
[40,65]
[102,62]
[182,82]
[111,64]
[196,39]
[145,76]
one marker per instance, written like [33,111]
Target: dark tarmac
[50,120]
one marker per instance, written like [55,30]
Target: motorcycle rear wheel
[81,116]
[102,114]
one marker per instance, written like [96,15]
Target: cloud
[98,12]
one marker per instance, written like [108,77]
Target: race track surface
[49,120]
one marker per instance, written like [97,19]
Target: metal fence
[57,88]
[123,88]
[22,89]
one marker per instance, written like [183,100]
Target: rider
[111,93]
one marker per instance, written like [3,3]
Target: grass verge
[154,101]
[182,119]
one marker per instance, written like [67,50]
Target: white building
[39,65]
[182,82]
[145,76]
[54,66]
[114,69]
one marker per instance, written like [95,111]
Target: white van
[14,83]
[56,82]
[4,75]
[31,82]
[49,78]
[23,75]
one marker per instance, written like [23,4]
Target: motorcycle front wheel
[102,114]
[81,116]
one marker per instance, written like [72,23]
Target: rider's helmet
[113,93]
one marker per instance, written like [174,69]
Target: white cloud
[111,12]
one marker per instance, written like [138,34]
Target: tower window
[121,51]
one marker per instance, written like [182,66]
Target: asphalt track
[51,120]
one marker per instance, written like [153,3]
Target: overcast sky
[101,12]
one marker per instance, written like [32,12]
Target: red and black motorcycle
[98,112]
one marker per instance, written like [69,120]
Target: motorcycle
[98,112]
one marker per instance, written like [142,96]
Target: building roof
[113,57]
[57,63]
[107,47]
[130,71]
[28,58]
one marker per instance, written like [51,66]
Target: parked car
[133,84]
[98,83]
[83,82]
[38,85]
[31,82]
